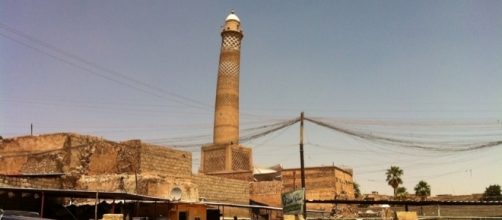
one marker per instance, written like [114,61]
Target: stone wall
[87,155]
[61,153]
[31,182]
[89,163]
[321,183]
[73,161]
[145,184]
[268,192]
[106,157]
[236,175]
[222,189]
[24,154]
[165,161]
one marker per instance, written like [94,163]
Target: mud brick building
[81,162]
[321,183]
[73,161]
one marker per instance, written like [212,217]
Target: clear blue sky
[117,69]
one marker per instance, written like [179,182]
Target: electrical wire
[90,67]
[436,146]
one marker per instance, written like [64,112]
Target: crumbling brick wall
[28,154]
[90,163]
[52,153]
[103,158]
[77,156]
[162,186]
[72,153]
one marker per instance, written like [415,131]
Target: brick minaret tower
[226,111]
[225,157]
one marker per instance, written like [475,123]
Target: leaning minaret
[226,110]
[225,157]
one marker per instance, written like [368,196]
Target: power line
[125,80]
[274,129]
[249,134]
[429,146]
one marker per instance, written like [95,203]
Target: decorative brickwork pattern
[226,99]
[214,160]
[226,112]
[229,68]
[231,41]
[228,74]
[241,159]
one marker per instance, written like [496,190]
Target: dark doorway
[182,216]
[213,214]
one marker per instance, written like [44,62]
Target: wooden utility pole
[302,168]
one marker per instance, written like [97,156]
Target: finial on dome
[232,16]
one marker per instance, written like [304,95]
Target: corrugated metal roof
[242,205]
[84,194]
[32,174]
[405,202]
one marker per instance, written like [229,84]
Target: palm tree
[401,192]
[423,189]
[394,174]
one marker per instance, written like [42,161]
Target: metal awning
[32,174]
[68,193]
[405,202]
[242,205]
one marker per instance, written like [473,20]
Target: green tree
[394,174]
[401,192]
[423,189]
[492,193]
[357,191]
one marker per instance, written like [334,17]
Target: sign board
[292,202]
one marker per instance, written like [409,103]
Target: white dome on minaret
[232,16]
